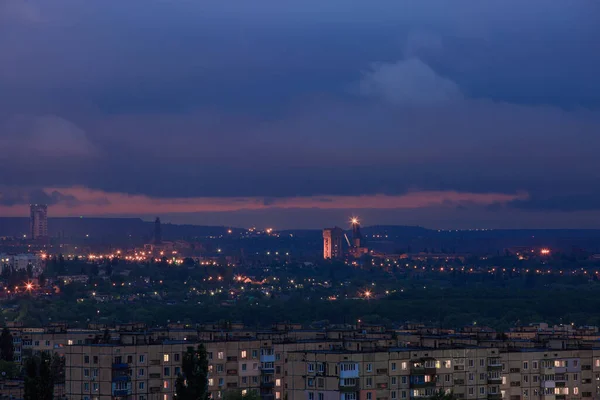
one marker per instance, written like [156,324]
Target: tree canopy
[192,383]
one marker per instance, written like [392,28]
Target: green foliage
[237,395]
[42,372]
[442,395]
[7,349]
[192,384]
[8,369]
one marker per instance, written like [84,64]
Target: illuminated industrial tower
[357,247]
[356,235]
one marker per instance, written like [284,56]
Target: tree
[7,349]
[237,395]
[5,272]
[192,384]
[9,369]
[442,395]
[42,279]
[41,373]
[106,336]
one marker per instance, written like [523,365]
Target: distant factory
[335,238]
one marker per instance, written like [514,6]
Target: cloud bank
[198,107]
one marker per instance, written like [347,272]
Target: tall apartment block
[332,243]
[38,221]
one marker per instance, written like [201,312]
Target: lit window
[220,355]
[211,381]
[404,365]
[70,342]
[165,357]
[277,382]
[277,395]
[166,384]
[166,397]
[244,392]
[243,353]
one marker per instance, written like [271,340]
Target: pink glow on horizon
[99,203]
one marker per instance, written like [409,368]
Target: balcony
[548,384]
[267,384]
[154,376]
[121,378]
[494,396]
[349,389]
[548,370]
[422,370]
[494,380]
[267,358]
[267,370]
[120,366]
[352,373]
[422,385]
[382,371]
[494,367]
[121,392]
[232,372]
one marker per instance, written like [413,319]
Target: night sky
[445,114]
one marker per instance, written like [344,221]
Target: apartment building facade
[469,373]
[134,363]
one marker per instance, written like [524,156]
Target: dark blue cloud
[306,98]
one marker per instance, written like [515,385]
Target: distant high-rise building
[38,221]
[332,243]
[157,231]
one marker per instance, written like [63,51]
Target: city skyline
[447,116]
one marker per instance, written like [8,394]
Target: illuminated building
[38,221]
[356,235]
[332,243]
[357,247]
